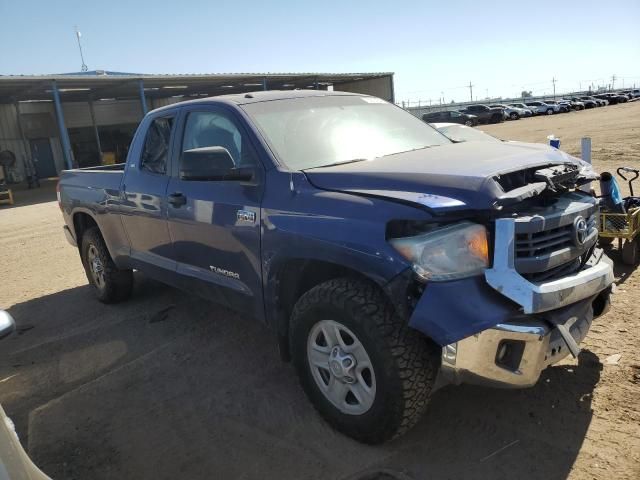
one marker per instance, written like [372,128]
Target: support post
[264,84]
[585,154]
[143,100]
[64,135]
[95,128]
[585,149]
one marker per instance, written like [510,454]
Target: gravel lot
[170,386]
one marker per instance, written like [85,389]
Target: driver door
[215,224]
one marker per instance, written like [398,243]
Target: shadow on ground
[170,386]
[23,196]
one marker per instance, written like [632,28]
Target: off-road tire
[118,284]
[631,252]
[404,362]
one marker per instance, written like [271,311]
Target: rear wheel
[514,116]
[631,252]
[468,123]
[550,111]
[364,370]
[111,284]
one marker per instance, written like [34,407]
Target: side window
[156,146]
[214,129]
[455,114]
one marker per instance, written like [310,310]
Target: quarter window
[156,146]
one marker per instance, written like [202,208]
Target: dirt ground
[168,386]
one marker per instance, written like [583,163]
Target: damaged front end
[534,302]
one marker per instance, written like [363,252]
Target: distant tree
[526,94]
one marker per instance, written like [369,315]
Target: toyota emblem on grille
[580,231]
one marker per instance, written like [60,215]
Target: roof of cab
[258,96]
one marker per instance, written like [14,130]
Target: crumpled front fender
[450,311]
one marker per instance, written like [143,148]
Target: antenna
[84,67]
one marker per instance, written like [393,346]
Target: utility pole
[553,80]
[613,81]
[471,91]
[78,35]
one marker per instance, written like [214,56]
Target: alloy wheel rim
[341,367]
[95,266]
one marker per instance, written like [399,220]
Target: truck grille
[545,241]
[548,241]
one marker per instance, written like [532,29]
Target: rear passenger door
[144,205]
[215,227]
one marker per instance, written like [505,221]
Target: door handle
[177,199]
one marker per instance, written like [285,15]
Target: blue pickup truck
[387,259]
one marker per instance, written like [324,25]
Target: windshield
[312,132]
[462,133]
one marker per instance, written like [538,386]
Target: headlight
[455,251]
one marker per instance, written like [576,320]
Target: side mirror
[212,164]
[7,324]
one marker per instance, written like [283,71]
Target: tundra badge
[226,273]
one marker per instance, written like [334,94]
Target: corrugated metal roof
[106,84]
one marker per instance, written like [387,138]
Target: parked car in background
[588,103]
[613,98]
[485,114]
[513,113]
[534,111]
[599,101]
[453,116]
[575,105]
[562,107]
[544,108]
[356,249]
[635,93]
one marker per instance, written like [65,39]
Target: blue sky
[435,48]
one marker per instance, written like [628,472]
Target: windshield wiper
[342,162]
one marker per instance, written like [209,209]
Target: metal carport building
[52,122]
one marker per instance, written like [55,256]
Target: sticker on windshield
[373,100]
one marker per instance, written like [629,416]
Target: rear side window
[156,146]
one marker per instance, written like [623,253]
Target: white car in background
[513,113]
[544,108]
[461,133]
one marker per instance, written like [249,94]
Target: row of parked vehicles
[495,113]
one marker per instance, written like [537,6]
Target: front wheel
[364,370]
[468,123]
[514,116]
[550,111]
[111,284]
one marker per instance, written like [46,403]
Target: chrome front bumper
[513,355]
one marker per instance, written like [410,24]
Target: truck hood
[455,176]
